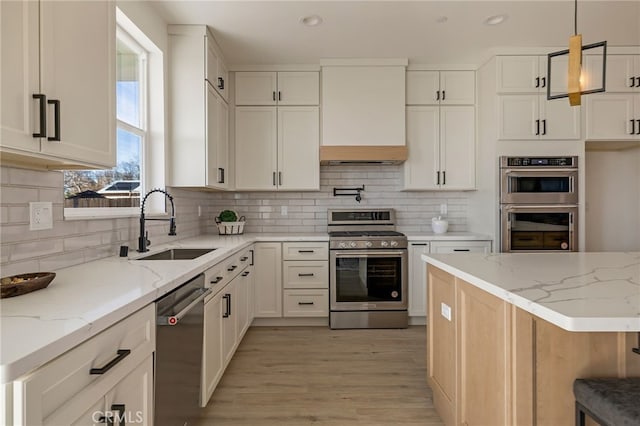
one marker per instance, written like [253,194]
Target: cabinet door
[457,88]
[559,120]
[19,47]
[77,44]
[298,148]
[212,365]
[460,246]
[417,279]
[211,73]
[609,117]
[256,88]
[423,141]
[268,280]
[131,401]
[211,152]
[457,148]
[518,115]
[222,145]
[245,281]
[441,342]
[229,320]
[256,153]
[621,72]
[483,357]
[517,74]
[298,88]
[422,88]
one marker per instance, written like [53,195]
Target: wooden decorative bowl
[24,283]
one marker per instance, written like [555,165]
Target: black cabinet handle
[43,115]
[638,129]
[306,251]
[274,178]
[56,120]
[280,178]
[544,126]
[220,175]
[273,96]
[638,81]
[438,95]
[632,82]
[537,127]
[122,354]
[279,95]
[444,177]
[633,127]
[544,82]
[227,298]
[244,258]
[251,251]
[305,303]
[438,178]
[232,268]
[245,273]
[306,275]
[217,280]
[220,83]
[461,250]
[121,410]
[537,82]
[443,95]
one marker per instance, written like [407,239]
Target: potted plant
[229,223]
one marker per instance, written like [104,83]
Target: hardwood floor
[314,375]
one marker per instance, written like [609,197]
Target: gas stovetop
[364,229]
[364,233]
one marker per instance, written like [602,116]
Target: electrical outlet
[40,215]
[445,310]
[443,209]
[284,210]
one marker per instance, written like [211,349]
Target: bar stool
[609,401]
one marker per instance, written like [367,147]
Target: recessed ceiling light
[441,19]
[495,19]
[311,20]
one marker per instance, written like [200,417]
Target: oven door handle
[541,173]
[370,253]
[553,207]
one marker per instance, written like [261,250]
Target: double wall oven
[368,270]
[538,204]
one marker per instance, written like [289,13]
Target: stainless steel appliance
[538,204]
[178,358]
[368,270]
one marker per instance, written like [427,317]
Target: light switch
[40,215]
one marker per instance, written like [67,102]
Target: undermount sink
[178,254]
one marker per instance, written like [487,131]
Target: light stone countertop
[447,236]
[85,299]
[579,291]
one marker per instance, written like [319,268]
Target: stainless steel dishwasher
[178,359]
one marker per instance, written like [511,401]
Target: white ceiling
[270,32]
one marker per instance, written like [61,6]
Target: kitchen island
[508,333]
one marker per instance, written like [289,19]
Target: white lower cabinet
[268,280]
[306,303]
[417,268]
[227,316]
[110,376]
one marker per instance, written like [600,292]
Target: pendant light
[575,86]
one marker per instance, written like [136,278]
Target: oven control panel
[367,244]
[539,161]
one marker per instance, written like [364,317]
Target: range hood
[362,154]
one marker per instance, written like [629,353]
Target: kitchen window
[140,157]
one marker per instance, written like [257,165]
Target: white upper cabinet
[528,74]
[199,114]
[277,148]
[64,52]
[363,105]
[440,88]
[441,143]
[277,88]
[623,72]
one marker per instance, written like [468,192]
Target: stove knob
[342,245]
[384,243]
[368,244]
[394,243]
[352,244]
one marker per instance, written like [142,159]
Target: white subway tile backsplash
[35,249]
[41,179]
[18,195]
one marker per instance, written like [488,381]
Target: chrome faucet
[143,240]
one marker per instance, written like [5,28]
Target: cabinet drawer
[216,277]
[306,274]
[460,246]
[306,303]
[305,251]
[46,389]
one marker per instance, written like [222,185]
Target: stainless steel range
[368,270]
